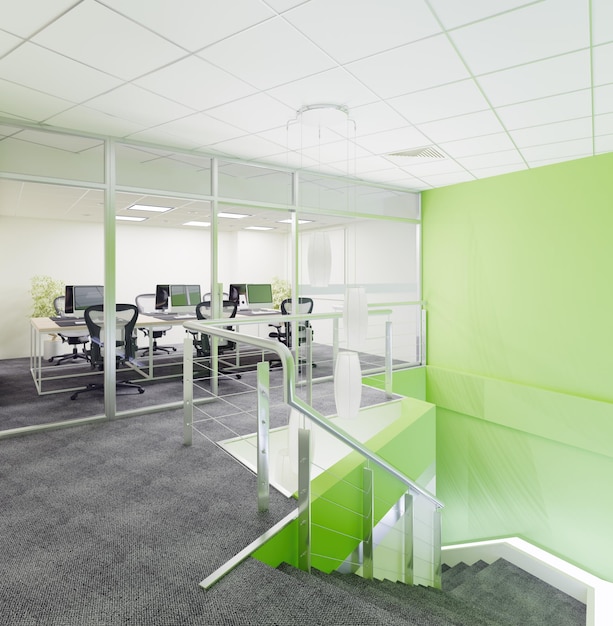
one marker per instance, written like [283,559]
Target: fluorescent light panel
[148,207]
[129,218]
[259,228]
[289,221]
[233,216]
[196,223]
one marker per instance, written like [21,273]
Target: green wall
[517,277]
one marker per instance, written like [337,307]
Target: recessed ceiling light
[195,223]
[148,207]
[233,216]
[129,218]
[289,221]
[258,228]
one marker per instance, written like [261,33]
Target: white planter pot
[52,348]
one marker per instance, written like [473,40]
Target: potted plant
[281,290]
[44,290]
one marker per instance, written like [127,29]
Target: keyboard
[262,311]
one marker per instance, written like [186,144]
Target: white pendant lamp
[355,316]
[347,384]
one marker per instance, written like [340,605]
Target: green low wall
[409,444]
[514,460]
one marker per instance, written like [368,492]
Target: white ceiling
[493,85]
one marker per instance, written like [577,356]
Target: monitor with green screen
[259,295]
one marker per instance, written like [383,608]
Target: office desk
[41,326]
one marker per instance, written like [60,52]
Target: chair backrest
[203,309]
[145,303]
[59,304]
[208,296]
[203,312]
[305,305]
[125,320]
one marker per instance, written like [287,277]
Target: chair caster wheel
[141,391]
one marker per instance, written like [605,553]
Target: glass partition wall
[130,217]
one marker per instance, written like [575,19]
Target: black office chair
[201,342]
[74,338]
[283,330]
[125,319]
[146,305]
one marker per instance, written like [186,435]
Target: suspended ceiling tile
[603,144]
[495,159]
[197,129]
[516,38]
[545,110]
[497,170]
[60,141]
[251,147]
[440,102]
[425,169]
[376,117]
[242,113]
[8,42]
[603,99]
[103,39]
[46,71]
[364,31]
[138,105]
[335,86]
[603,64]
[206,23]
[603,124]
[84,119]
[452,178]
[195,83]
[28,103]
[563,74]
[462,127]
[602,21]
[552,133]
[427,63]
[404,138]
[477,145]
[268,55]
[26,17]
[453,14]
[554,152]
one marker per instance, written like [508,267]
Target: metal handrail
[289,374]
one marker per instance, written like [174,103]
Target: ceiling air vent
[419,153]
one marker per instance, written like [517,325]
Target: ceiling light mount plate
[328,115]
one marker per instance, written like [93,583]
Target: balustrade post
[263,463]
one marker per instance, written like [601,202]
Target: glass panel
[336,194]
[51,155]
[168,250]
[380,256]
[255,183]
[163,170]
[55,233]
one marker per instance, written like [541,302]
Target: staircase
[499,594]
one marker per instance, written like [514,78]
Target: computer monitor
[78,297]
[259,296]
[238,293]
[177,298]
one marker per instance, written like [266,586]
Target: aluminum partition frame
[109,187]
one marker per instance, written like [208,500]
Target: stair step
[456,575]
[431,605]
[291,598]
[509,592]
